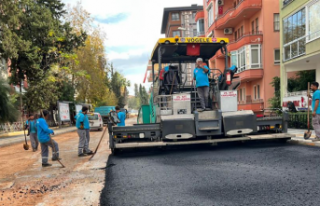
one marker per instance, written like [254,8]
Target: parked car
[95,121]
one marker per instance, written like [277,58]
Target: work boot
[200,110]
[316,139]
[46,165]
[207,109]
[55,158]
[89,153]
[82,155]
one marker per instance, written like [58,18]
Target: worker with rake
[45,140]
[315,109]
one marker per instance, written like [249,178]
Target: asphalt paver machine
[174,118]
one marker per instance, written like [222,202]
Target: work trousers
[84,140]
[45,150]
[203,93]
[316,125]
[34,141]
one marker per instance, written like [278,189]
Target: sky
[132,29]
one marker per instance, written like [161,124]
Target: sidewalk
[299,139]
[16,137]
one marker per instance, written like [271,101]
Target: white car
[95,121]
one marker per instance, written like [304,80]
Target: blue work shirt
[201,77]
[82,118]
[43,131]
[122,118]
[33,126]
[316,96]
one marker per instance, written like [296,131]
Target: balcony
[233,15]
[249,74]
[199,15]
[201,34]
[256,105]
[248,38]
[294,49]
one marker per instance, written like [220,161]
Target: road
[233,174]
[24,182]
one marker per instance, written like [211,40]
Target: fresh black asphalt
[235,174]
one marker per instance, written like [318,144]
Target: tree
[119,86]
[276,100]
[7,110]
[300,83]
[144,97]
[36,40]
[89,69]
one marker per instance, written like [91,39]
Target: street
[260,173]
[24,182]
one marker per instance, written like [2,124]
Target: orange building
[252,27]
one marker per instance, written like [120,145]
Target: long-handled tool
[55,152]
[53,147]
[307,134]
[25,145]
[95,151]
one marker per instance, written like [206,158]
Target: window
[314,20]
[256,92]
[175,33]
[241,30]
[239,33]
[200,26]
[210,15]
[195,32]
[194,15]
[257,25]
[175,17]
[247,57]
[235,35]
[277,56]
[255,56]
[242,96]
[294,30]
[252,27]
[276,22]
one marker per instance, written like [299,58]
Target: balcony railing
[201,33]
[235,10]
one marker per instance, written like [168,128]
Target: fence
[18,126]
[299,120]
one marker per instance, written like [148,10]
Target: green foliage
[119,86]
[35,40]
[143,95]
[300,83]
[7,109]
[276,100]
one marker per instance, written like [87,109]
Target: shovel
[307,134]
[25,145]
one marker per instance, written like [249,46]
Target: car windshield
[93,117]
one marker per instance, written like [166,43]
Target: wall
[271,42]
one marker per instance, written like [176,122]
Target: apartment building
[179,21]
[253,29]
[300,40]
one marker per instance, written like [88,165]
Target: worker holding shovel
[45,140]
[82,123]
[315,109]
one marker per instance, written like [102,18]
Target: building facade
[179,21]
[300,39]
[253,29]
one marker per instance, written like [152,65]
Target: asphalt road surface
[242,174]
